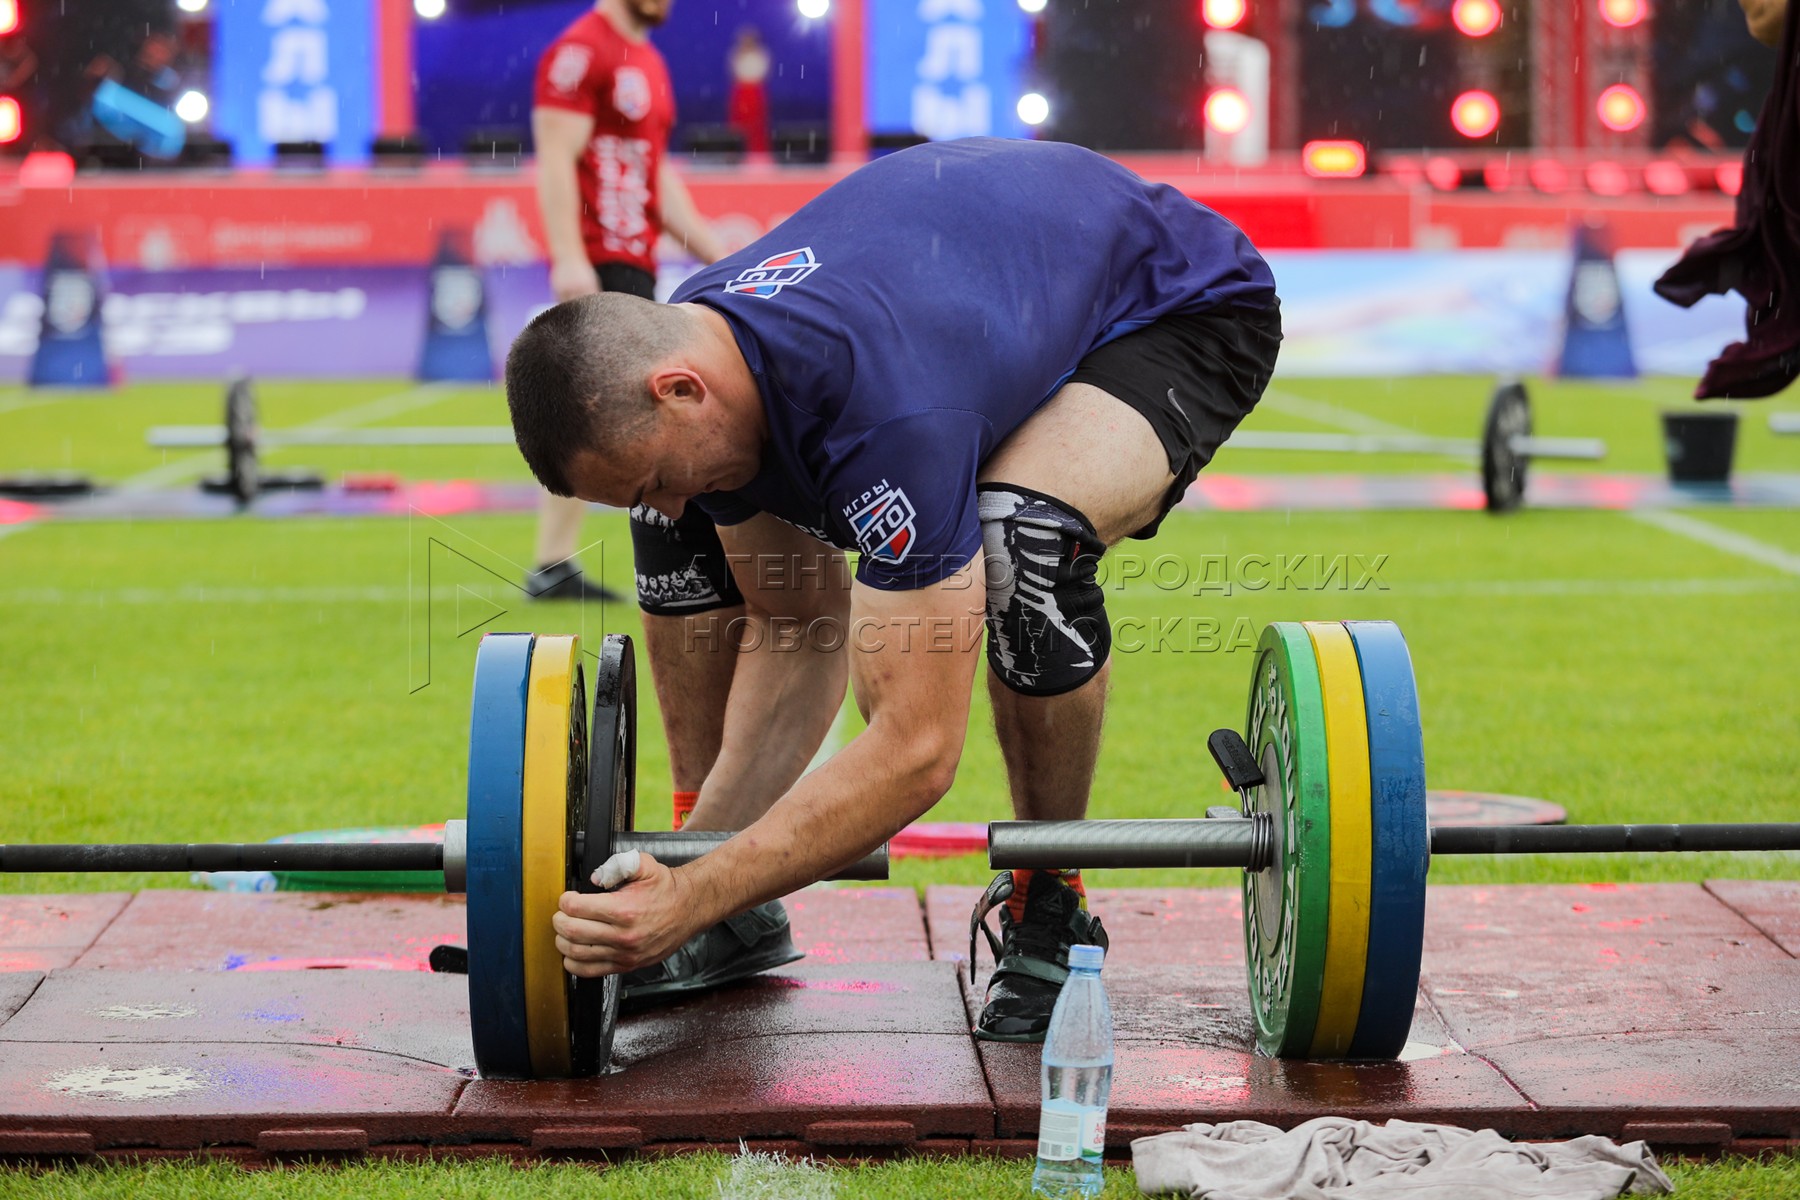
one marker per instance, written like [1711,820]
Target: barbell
[243,439]
[1331,834]
[1505,450]
[550,798]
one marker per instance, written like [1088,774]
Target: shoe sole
[1022,1038]
[652,995]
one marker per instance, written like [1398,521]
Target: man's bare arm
[682,219]
[914,657]
[562,138]
[789,681]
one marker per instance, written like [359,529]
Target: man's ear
[677,385]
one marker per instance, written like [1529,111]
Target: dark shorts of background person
[680,564]
[1193,376]
[623,277]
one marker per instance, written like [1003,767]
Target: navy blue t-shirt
[912,315]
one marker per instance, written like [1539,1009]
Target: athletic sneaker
[1031,955]
[564,581]
[737,947]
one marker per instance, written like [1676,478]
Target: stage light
[1730,177]
[191,6]
[1620,107]
[192,107]
[1475,114]
[9,16]
[1034,109]
[813,10]
[1665,178]
[1334,159]
[1623,14]
[1224,14]
[1548,176]
[1476,18]
[1227,111]
[12,121]
[1606,178]
[1033,6]
[1443,174]
[430,10]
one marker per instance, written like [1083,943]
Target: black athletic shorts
[623,277]
[1193,376]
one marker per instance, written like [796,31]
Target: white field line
[189,465]
[1409,589]
[1725,540]
[1333,415]
[204,594]
[14,401]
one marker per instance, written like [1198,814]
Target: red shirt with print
[595,70]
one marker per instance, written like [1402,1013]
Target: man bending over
[978,364]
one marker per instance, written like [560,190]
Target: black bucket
[1699,445]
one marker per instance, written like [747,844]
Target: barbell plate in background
[1347,752]
[611,808]
[1503,469]
[1400,850]
[495,916]
[241,472]
[545,847]
[1287,906]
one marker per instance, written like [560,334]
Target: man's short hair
[577,378]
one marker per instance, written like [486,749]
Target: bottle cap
[1086,958]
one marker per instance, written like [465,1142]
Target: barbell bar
[1238,841]
[1505,449]
[673,849]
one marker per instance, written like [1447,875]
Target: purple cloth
[1760,256]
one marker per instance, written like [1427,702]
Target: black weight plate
[611,806]
[240,441]
[1502,468]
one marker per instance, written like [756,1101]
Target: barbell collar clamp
[456,856]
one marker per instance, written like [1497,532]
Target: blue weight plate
[1401,843]
[496,903]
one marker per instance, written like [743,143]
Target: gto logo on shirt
[775,272]
[631,93]
[882,520]
[569,68]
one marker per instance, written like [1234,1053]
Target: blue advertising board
[947,68]
[294,71]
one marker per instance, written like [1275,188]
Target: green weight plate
[1287,905]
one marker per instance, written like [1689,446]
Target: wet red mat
[177,1019]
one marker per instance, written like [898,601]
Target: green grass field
[240,679]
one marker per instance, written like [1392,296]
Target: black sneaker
[736,947]
[1031,957]
[564,581]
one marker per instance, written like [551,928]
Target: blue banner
[294,71]
[947,68]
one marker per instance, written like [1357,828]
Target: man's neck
[730,373]
[623,19]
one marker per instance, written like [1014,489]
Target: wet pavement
[266,1026]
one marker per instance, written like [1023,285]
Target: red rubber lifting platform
[259,1027]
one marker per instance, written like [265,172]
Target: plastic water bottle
[1077,1080]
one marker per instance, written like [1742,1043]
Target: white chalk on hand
[618,870]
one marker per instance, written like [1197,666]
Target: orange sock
[684,806]
[1015,904]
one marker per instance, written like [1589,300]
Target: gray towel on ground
[1332,1158]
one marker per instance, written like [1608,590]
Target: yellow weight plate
[1347,752]
[544,857]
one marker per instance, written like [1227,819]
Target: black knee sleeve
[1046,617]
[681,567]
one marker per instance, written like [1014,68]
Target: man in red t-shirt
[601,118]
